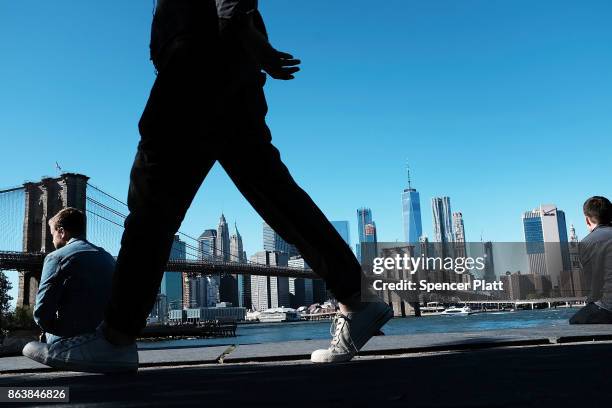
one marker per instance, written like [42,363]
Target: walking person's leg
[256,168]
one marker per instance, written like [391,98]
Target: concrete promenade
[558,367]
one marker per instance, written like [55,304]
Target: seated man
[595,253]
[76,280]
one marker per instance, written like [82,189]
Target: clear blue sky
[501,105]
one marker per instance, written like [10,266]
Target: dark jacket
[595,252]
[209,22]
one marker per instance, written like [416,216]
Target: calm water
[277,332]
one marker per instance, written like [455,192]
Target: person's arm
[240,19]
[49,293]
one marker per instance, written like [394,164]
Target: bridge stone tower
[43,200]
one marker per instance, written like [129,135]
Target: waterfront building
[575,284]
[204,291]
[269,291]
[367,248]
[300,289]
[442,222]
[546,242]
[172,282]
[202,314]
[459,231]
[489,269]
[517,286]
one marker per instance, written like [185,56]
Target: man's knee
[582,315]
[576,319]
[591,314]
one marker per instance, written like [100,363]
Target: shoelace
[336,330]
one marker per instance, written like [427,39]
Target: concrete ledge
[173,357]
[147,358]
[378,346]
[558,375]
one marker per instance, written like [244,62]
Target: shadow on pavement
[548,376]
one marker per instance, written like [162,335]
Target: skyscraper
[546,242]
[411,212]
[204,290]
[344,230]
[489,269]
[458,227]
[269,291]
[207,243]
[222,250]
[459,230]
[300,289]
[172,282]
[364,217]
[236,251]
[243,282]
[367,246]
[442,223]
[274,242]
[577,275]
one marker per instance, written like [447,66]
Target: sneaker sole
[341,359]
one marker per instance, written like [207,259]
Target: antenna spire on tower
[408,173]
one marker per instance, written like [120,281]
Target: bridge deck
[34,261]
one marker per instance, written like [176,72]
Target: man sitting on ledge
[76,280]
[595,253]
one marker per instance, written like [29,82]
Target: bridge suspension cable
[11,218]
[116,217]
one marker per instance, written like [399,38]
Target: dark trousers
[204,109]
[591,314]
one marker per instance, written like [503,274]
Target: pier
[204,329]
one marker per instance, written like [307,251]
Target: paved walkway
[560,367]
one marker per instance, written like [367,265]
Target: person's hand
[279,65]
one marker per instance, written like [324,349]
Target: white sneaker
[350,333]
[90,353]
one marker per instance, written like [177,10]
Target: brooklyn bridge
[25,237]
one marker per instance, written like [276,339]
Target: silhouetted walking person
[208,105]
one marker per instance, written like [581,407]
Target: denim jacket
[74,288]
